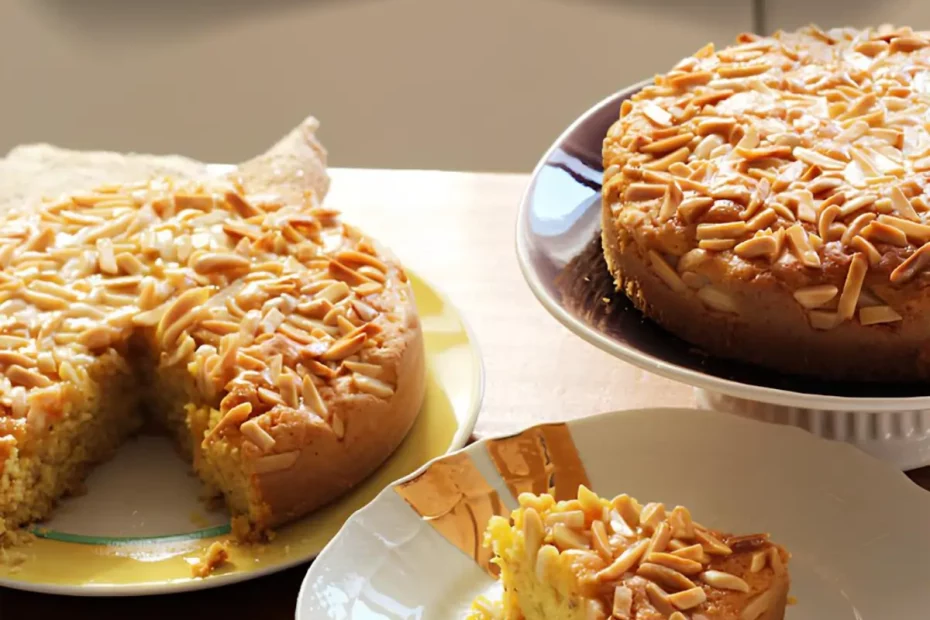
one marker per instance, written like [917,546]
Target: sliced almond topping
[914,264]
[855,276]
[878,314]
[815,296]
[665,577]
[624,562]
[666,273]
[638,192]
[762,245]
[670,202]
[657,115]
[878,232]
[688,599]
[800,245]
[712,545]
[675,562]
[312,399]
[716,299]
[757,607]
[344,347]
[727,230]
[814,158]
[918,232]
[258,435]
[372,386]
[276,462]
[902,205]
[622,603]
[724,581]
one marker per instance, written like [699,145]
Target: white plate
[857,528]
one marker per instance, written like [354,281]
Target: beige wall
[790,14]
[452,84]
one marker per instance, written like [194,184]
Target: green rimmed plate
[141,525]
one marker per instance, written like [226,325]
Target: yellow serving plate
[140,525]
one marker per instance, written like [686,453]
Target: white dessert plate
[557,242]
[140,525]
[856,527]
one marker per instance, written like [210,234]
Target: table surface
[456,230]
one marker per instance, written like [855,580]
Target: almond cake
[596,559]
[278,345]
[767,202]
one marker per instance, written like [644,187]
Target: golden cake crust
[282,345]
[767,202]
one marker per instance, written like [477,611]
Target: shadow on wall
[121,20]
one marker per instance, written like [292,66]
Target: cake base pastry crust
[767,202]
[278,345]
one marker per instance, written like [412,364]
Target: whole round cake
[767,202]
[278,344]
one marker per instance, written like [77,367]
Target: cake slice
[596,559]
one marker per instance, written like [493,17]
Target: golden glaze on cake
[280,345]
[767,201]
[598,559]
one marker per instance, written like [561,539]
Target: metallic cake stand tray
[558,248]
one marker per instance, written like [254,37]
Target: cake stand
[558,248]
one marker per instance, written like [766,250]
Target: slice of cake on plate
[596,559]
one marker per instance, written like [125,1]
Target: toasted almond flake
[758,606]
[106,258]
[915,263]
[666,273]
[600,541]
[855,276]
[717,245]
[344,347]
[638,192]
[276,462]
[820,160]
[712,545]
[622,603]
[667,145]
[815,296]
[762,245]
[718,300]
[684,566]
[823,320]
[918,232]
[663,163]
[257,435]
[44,301]
[874,315]
[334,293]
[624,562]
[879,232]
[800,245]
[665,577]
[26,377]
[902,205]
[372,386]
[724,581]
[692,552]
[688,599]
[657,115]
[727,230]
[690,209]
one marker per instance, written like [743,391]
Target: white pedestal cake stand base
[898,437]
